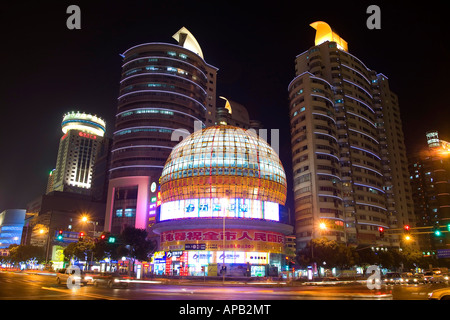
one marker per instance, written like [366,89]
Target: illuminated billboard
[218,208]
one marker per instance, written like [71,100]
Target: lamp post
[85,219]
[224,204]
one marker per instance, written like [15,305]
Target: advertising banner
[235,240]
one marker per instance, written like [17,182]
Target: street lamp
[322,226]
[85,219]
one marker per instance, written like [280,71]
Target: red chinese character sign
[235,239]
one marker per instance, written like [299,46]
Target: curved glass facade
[163,88]
[166,92]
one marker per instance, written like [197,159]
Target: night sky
[48,70]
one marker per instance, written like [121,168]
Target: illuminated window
[130,212]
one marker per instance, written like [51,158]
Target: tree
[365,256]
[134,244]
[322,250]
[23,253]
[80,250]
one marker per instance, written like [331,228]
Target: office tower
[11,226]
[349,161]
[83,133]
[430,176]
[166,91]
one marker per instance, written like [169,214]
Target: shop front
[211,263]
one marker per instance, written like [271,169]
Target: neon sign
[213,207]
[87,135]
[158,199]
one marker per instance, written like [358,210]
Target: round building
[221,191]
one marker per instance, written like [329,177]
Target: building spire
[188,41]
[324,33]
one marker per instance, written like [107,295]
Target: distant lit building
[234,114]
[349,156]
[11,226]
[59,210]
[430,182]
[221,192]
[83,134]
[166,92]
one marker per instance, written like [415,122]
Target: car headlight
[415,280]
[116,280]
[446,277]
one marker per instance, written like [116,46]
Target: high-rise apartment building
[166,92]
[78,147]
[349,162]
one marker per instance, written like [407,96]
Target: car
[440,294]
[393,278]
[110,279]
[427,276]
[414,279]
[435,277]
[77,276]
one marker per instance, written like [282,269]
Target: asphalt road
[24,286]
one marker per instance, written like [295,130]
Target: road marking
[90,295]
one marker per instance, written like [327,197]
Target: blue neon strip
[84,121]
[164,91]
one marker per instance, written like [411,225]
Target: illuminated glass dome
[223,162]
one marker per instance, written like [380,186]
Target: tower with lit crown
[349,157]
[83,133]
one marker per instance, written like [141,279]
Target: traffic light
[103,237]
[60,236]
[381,230]
[407,231]
[448,227]
[111,239]
[436,230]
[81,236]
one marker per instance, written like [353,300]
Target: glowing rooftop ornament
[188,41]
[227,104]
[324,33]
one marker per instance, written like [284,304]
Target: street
[26,286]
